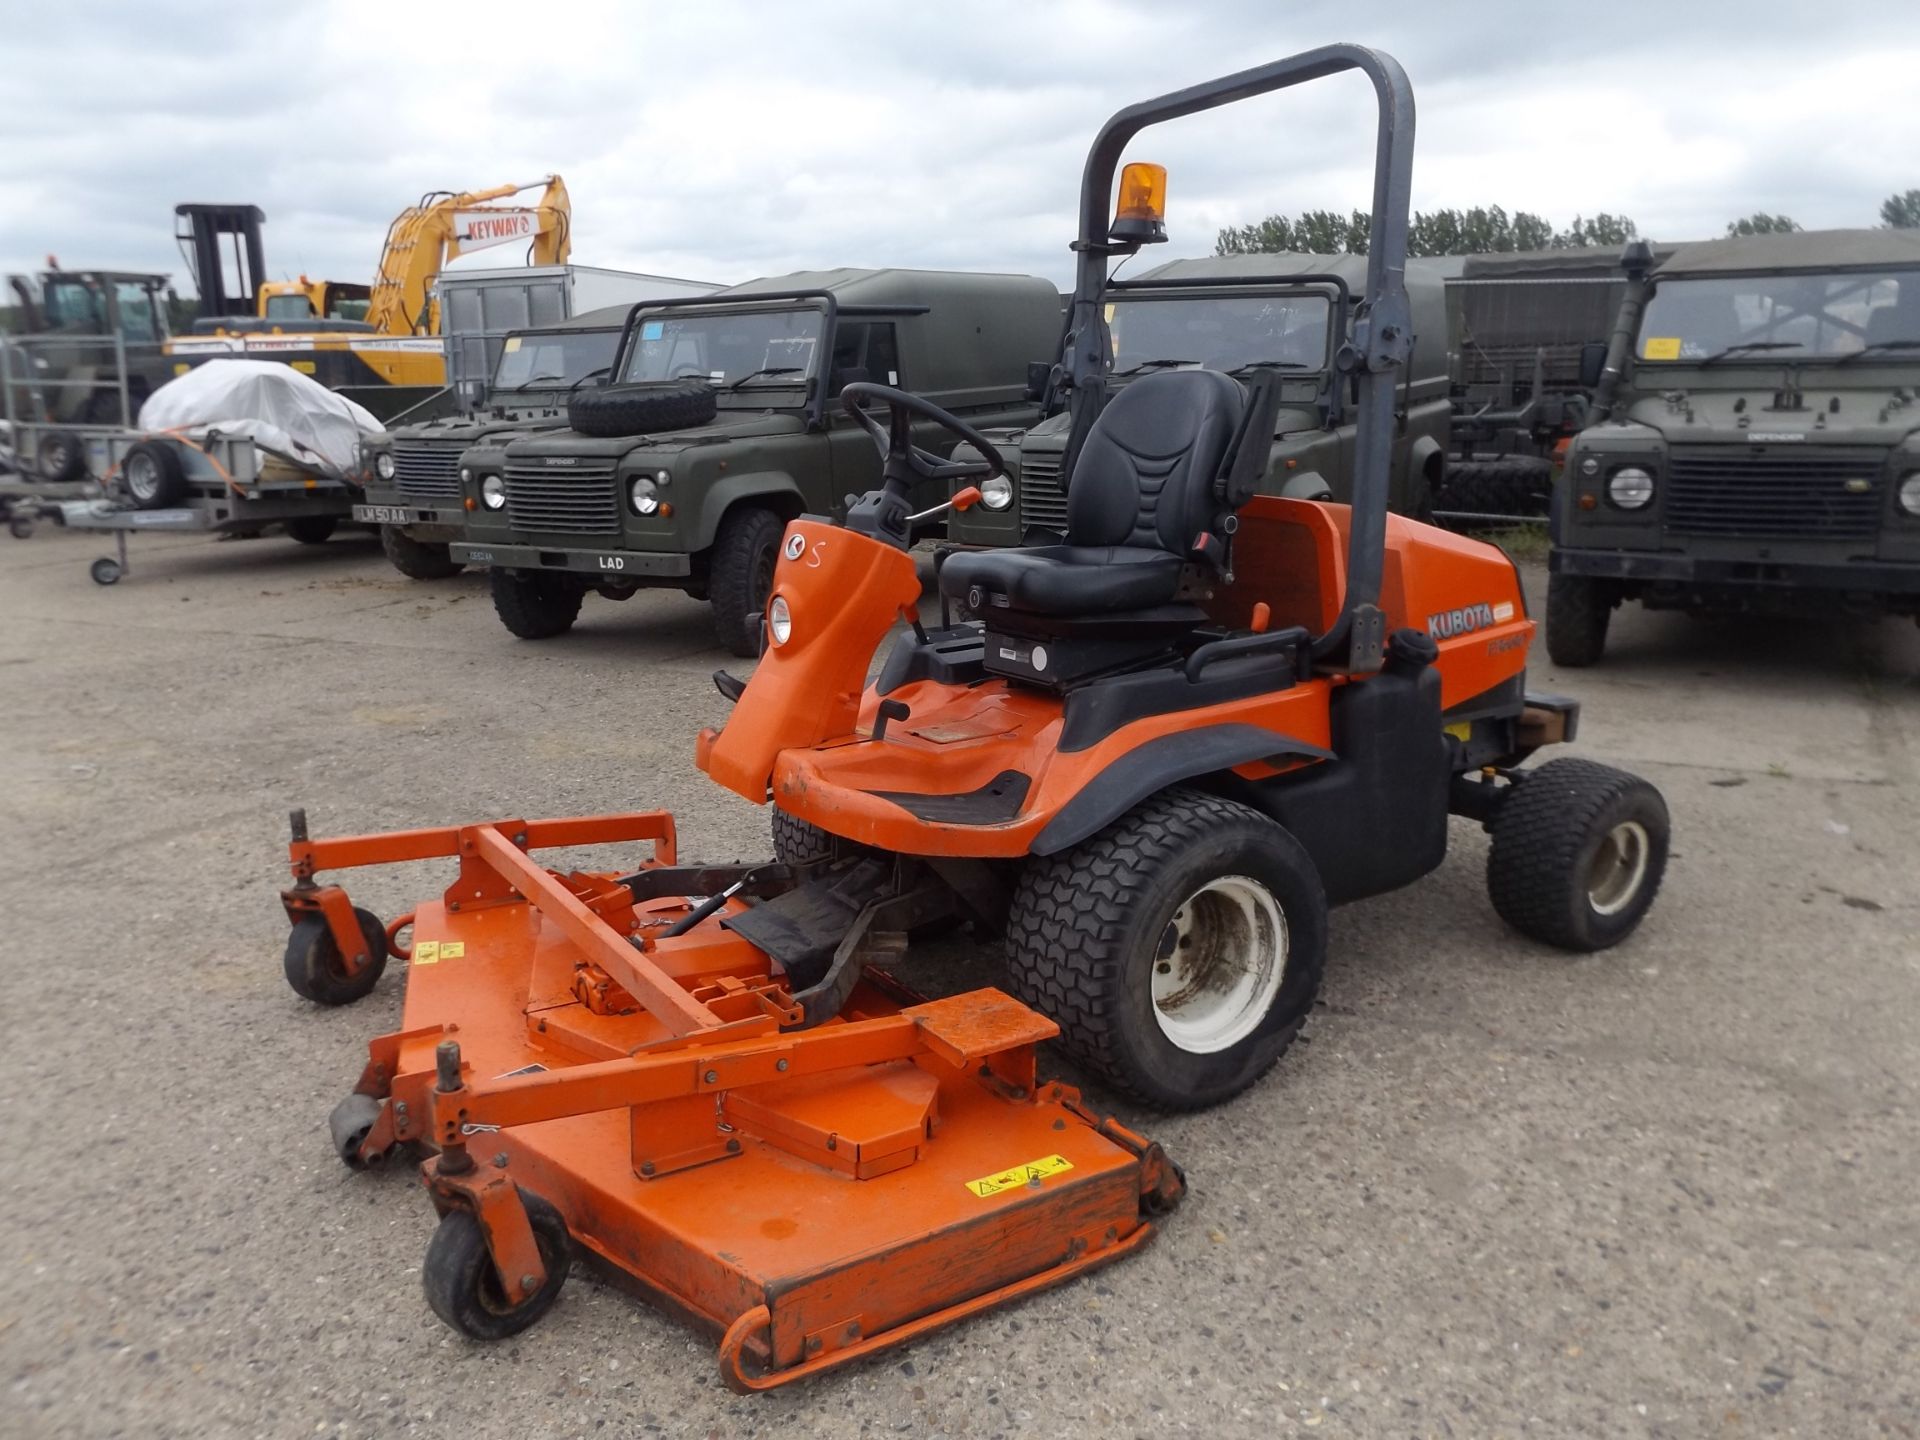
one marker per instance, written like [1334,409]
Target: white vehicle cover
[273,405]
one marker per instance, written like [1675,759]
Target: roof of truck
[1797,250]
[1575,262]
[892,288]
[1279,264]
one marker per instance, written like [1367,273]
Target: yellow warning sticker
[1461,731]
[1031,1173]
[512,344]
[432,952]
[1661,347]
[306,367]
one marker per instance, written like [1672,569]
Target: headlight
[641,495]
[1630,487]
[493,491]
[383,465]
[779,620]
[996,492]
[1910,492]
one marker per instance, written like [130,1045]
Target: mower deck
[815,1194]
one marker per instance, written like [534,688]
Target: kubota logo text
[1448,623]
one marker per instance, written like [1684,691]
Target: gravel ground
[1669,1190]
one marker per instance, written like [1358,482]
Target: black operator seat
[1140,496]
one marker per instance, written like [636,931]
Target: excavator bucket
[600,1051]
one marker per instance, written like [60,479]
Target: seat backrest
[1145,474]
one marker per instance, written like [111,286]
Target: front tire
[1579,850]
[463,1288]
[417,559]
[312,529]
[1179,949]
[1579,609]
[535,605]
[744,554]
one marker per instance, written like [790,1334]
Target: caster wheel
[349,1123]
[463,1288]
[105,571]
[316,970]
[20,526]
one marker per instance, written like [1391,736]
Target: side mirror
[1593,360]
[1039,372]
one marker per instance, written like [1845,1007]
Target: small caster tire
[314,965]
[105,571]
[349,1123]
[20,526]
[463,1288]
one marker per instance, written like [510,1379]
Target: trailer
[219,485]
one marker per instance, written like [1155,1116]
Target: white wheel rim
[143,477]
[1618,867]
[1218,965]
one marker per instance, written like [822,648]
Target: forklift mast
[202,231]
[1375,354]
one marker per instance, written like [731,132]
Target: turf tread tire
[1512,487]
[1543,836]
[1067,935]
[618,411]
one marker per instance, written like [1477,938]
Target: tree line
[1490,229]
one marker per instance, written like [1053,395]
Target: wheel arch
[774,489]
[1168,760]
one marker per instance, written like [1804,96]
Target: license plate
[383,514]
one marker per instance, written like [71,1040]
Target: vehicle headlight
[1910,492]
[996,492]
[1630,487]
[779,620]
[642,495]
[493,491]
[383,465]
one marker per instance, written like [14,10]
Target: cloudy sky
[720,141]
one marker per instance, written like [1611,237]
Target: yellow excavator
[379,344]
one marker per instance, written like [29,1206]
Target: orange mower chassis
[812,1192]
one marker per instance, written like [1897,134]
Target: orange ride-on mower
[1174,739]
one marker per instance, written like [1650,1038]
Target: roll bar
[1378,347]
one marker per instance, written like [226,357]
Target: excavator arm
[443,227]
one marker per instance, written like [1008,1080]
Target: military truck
[721,428]
[1235,313]
[1756,438]
[414,491]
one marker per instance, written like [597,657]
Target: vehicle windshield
[74,304]
[751,349]
[289,307]
[554,359]
[1764,319]
[1219,332]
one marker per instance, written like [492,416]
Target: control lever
[962,500]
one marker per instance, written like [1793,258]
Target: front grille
[1042,501]
[428,469]
[575,500]
[1786,492]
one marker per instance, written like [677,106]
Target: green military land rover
[414,492]
[718,428]
[1238,313]
[1756,442]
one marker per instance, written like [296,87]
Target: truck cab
[1235,314]
[1756,444]
[721,426]
[414,491]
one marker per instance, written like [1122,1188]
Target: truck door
[865,350]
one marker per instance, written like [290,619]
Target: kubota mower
[1174,736]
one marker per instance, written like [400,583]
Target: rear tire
[312,529]
[60,457]
[417,559]
[1579,850]
[744,554]
[1579,609]
[1179,949]
[533,604]
[799,842]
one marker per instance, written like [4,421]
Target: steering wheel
[903,458]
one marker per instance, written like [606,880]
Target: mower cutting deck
[594,1055]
